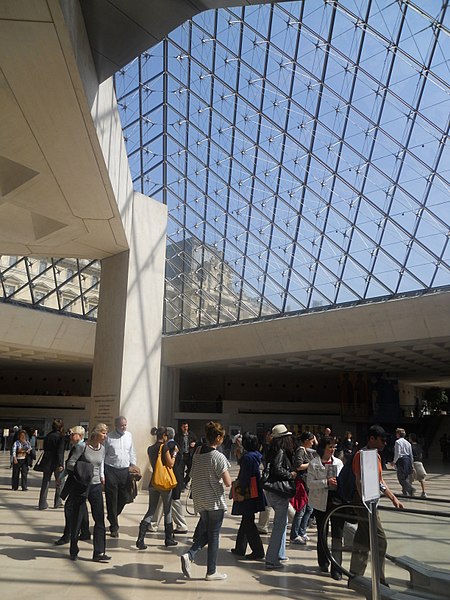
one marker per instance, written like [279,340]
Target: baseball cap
[280,431]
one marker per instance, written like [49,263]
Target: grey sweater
[97,458]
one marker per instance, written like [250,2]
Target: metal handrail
[330,557]
[353,506]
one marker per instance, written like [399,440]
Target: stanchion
[372,508]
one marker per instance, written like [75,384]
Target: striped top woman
[209,476]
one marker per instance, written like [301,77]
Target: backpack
[346,482]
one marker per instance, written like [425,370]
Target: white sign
[370,478]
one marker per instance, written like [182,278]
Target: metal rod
[376,567]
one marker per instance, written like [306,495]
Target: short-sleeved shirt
[20,449]
[208,492]
[417,451]
[302,456]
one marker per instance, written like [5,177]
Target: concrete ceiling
[56,198]
[32,338]
[120,30]
[376,337]
[55,195]
[423,364]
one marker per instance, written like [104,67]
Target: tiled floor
[31,566]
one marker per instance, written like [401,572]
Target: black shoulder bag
[83,471]
[280,487]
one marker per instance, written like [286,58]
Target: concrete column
[170,392]
[127,360]
[127,357]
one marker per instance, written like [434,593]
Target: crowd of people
[280,474]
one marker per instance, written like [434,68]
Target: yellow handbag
[163,478]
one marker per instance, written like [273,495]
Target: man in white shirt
[120,460]
[403,460]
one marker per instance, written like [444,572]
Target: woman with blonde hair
[94,453]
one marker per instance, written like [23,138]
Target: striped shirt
[208,492]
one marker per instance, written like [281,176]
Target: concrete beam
[422,318]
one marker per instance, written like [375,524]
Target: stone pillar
[127,358]
[170,392]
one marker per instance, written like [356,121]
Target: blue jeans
[300,522]
[208,534]
[277,542]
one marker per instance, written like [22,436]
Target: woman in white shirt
[322,483]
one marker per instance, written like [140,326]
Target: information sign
[370,480]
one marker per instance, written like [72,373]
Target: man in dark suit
[52,463]
[186,441]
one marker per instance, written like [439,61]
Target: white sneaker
[306,537]
[299,540]
[186,565]
[423,495]
[216,576]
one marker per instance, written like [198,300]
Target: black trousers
[116,481]
[83,519]
[248,534]
[337,530]
[95,497]
[45,485]
[187,464]
[20,468]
